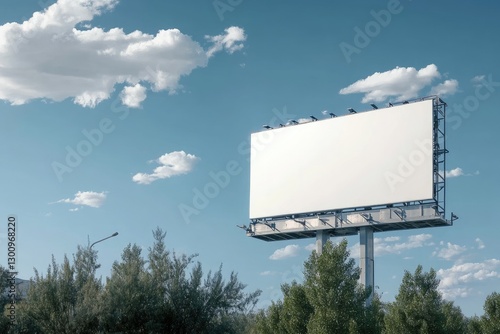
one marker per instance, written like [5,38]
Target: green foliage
[191,304]
[271,321]
[126,298]
[296,308]
[4,301]
[419,307]
[166,293]
[474,325]
[455,320]
[490,322]
[330,301]
[332,288]
[373,320]
[63,301]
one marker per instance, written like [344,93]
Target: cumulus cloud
[448,87]
[453,280]
[132,96]
[403,83]
[87,198]
[480,244]
[285,252]
[454,172]
[56,55]
[310,247]
[478,79]
[172,164]
[449,251]
[231,41]
[389,245]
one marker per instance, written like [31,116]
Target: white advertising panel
[365,159]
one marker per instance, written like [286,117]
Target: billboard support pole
[321,239]
[366,259]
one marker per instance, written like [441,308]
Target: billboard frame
[387,217]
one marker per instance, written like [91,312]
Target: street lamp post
[112,235]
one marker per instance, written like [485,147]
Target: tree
[332,288]
[165,294]
[490,322]
[128,297]
[373,320]
[419,307]
[65,299]
[296,310]
[169,294]
[455,320]
[4,300]
[271,321]
[474,325]
[191,304]
[331,300]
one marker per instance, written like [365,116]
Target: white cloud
[480,244]
[87,198]
[450,251]
[401,82]
[478,78]
[388,245]
[49,57]
[454,172]
[231,41]
[172,164]
[454,280]
[448,87]
[132,96]
[285,252]
[267,273]
[391,239]
[310,247]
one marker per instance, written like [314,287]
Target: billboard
[360,160]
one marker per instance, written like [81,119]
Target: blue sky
[116,114]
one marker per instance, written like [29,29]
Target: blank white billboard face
[366,159]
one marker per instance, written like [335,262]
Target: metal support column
[366,259]
[321,239]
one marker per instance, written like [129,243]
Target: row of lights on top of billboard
[332,115]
